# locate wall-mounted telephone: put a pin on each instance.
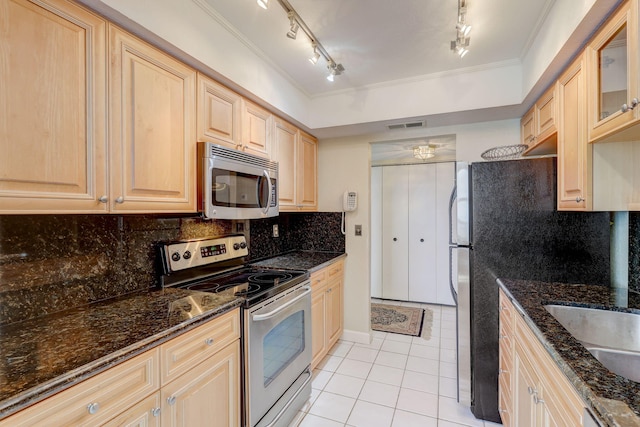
(350, 201)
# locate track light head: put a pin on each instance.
(316, 54)
(293, 26)
(263, 3)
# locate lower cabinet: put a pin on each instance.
(204, 390)
(532, 389)
(326, 309)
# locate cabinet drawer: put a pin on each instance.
(106, 395)
(334, 270)
(189, 349)
(505, 405)
(319, 278)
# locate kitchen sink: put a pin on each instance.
(612, 337)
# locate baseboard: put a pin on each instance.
(356, 336)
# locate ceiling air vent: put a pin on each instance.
(408, 125)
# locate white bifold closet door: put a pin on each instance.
(422, 233)
(395, 229)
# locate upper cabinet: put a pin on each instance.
(538, 126)
(152, 128)
(257, 124)
(218, 113)
(614, 77)
(297, 155)
(574, 153)
(53, 108)
(227, 119)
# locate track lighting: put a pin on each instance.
(316, 54)
(297, 23)
(293, 31)
(461, 44)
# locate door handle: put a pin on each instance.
(273, 313)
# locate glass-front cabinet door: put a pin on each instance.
(613, 75)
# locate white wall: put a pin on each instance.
(344, 163)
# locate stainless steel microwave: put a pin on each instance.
(235, 185)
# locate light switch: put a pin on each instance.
(276, 233)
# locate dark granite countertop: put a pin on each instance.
(43, 356)
(301, 260)
(614, 399)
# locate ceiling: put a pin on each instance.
(381, 41)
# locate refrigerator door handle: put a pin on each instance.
(452, 200)
(454, 294)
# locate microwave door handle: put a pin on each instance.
(273, 313)
(266, 208)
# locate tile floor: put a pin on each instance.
(396, 381)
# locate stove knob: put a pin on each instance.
(186, 255)
(175, 256)
(236, 246)
(243, 245)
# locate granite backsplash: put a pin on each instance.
(49, 263)
(634, 251)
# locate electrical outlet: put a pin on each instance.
(358, 230)
(276, 233)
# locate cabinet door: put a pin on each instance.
(334, 312)
(422, 232)
(525, 387)
(546, 113)
(152, 121)
(256, 129)
(318, 334)
(613, 74)
(144, 414)
(395, 229)
(285, 141)
(307, 174)
(528, 128)
(574, 153)
(53, 108)
(207, 395)
(218, 113)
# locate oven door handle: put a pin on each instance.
(273, 313)
(266, 208)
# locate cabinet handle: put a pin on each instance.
(502, 371)
(171, 400)
(103, 199)
(502, 336)
(537, 400)
(502, 308)
(155, 412)
(120, 200)
(93, 407)
(209, 341)
(531, 391)
(625, 107)
(579, 199)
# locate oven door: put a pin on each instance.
(277, 352)
(238, 191)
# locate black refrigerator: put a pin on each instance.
(504, 223)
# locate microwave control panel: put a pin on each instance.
(196, 253)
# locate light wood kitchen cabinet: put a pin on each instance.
(297, 155)
(537, 393)
(327, 312)
(146, 413)
(207, 395)
(53, 105)
(219, 111)
(574, 152)
(614, 77)
(98, 399)
(538, 126)
(152, 128)
(257, 124)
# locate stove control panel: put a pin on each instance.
(195, 253)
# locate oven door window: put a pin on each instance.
(239, 190)
(282, 345)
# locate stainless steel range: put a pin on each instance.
(276, 321)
